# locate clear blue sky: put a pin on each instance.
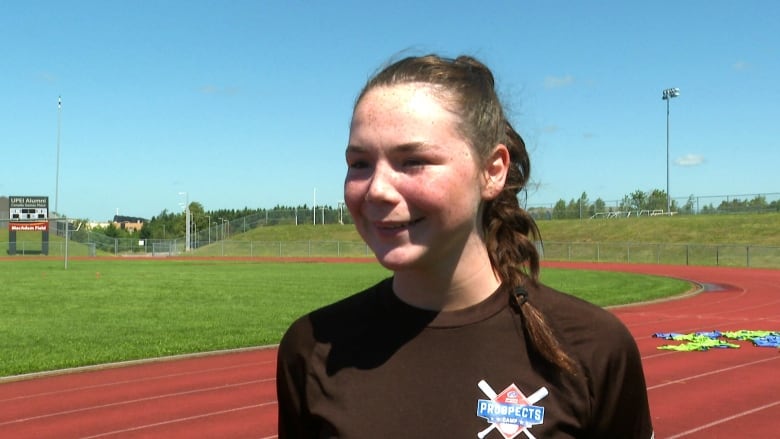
(247, 103)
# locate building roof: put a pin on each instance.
(129, 219)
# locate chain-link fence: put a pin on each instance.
(216, 227)
(756, 256)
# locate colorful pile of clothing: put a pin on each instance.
(705, 340)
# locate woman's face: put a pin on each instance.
(413, 185)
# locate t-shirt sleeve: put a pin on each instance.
(620, 404)
(291, 370)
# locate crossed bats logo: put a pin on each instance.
(510, 412)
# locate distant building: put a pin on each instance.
(102, 224)
(129, 223)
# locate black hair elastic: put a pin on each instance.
(519, 297)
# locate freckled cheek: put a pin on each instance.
(450, 194)
(427, 196)
(354, 194)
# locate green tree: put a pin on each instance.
(599, 206)
(559, 210)
(111, 231)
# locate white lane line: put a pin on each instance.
(136, 380)
(177, 420)
(712, 372)
(133, 401)
(726, 419)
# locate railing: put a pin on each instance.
(222, 248)
(727, 255)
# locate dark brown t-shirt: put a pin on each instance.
(371, 366)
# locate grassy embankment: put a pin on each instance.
(756, 229)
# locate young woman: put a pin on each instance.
(463, 340)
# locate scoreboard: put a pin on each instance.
(28, 208)
(29, 214)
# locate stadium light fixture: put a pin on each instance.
(668, 94)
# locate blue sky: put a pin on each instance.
(247, 103)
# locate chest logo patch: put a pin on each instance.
(510, 412)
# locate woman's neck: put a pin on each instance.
(470, 281)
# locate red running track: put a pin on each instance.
(230, 395)
(719, 393)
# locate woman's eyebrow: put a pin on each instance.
(355, 149)
(400, 148)
(413, 147)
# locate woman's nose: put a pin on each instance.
(382, 188)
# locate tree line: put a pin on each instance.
(650, 201)
(222, 222)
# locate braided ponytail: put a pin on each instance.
(508, 232)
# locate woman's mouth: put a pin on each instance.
(392, 226)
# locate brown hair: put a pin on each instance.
(468, 87)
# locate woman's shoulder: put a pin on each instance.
(337, 316)
(559, 302)
(353, 306)
(577, 320)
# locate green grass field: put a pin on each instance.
(100, 310)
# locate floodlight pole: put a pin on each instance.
(67, 238)
(668, 94)
(57, 181)
(57, 177)
(222, 242)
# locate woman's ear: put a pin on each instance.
(495, 172)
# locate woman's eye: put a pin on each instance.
(357, 164)
(414, 162)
